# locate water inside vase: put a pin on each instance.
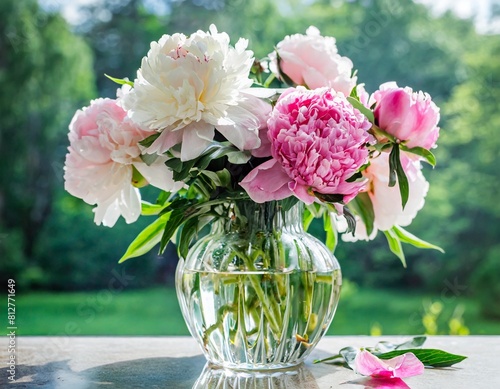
(265, 319)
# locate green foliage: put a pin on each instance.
(87, 258)
(465, 187)
(433, 316)
(386, 350)
(396, 170)
(429, 357)
(486, 284)
(359, 106)
(13, 260)
(116, 313)
(147, 239)
(45, 73)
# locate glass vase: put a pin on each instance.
(258, 292)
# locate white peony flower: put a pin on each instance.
(103, 153)
(188, 86)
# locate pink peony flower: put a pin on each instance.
(189, 86)
(387, 200)
(409, 116)
(312, 60)
(406, 365)
(317, 142)
(100, 164)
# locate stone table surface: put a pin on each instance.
(177, 362)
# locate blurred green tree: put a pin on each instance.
(386, 39)
(469, 178)
(45, 73)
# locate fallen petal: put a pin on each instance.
(406, 365)
(379, 383)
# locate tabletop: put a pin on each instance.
(177, 363)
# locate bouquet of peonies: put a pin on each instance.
(207, 123)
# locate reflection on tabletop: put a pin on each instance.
(218, 378)
(297, 378)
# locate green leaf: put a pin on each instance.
(269, 80)
(354, 93)
(329, 198)
(147, 239)
(351, 220)
(179, 210)
(177, 203)
(149, 159)
(384, 346)
(331, 233)
(215, 150)
(395, 245)
(362, 205)
(428, 356)
(356, 176)
(163, 197)
(380, 134)
(190, 228)
(380, 147)
(316, 209)
(396, 169)
(288, 203)
(334, 359)
(224, 178)
(185, 169)
(120, 81)
(406, 237)
(187, 233)
(148, 209)
(284, 77)
(174, 222)
(238, 157)
(361, 108)
(212, 177)
(393, 161)
(175, 164)
(146, 142)
(424, 153)
(307, 218)
(415, 342)
(203, 186)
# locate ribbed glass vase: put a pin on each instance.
(258, 292)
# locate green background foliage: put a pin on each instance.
(49, 69)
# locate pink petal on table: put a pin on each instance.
(406, 365)
(379, 383)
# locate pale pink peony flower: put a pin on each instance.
(313, 60)
(386, 200)
(411, 117)
(364, 96)
(188, 86)
(262, 108)
(99, 166)
(317, 142)
(406, 365)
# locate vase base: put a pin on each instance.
(218, 377)
(256, 368)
